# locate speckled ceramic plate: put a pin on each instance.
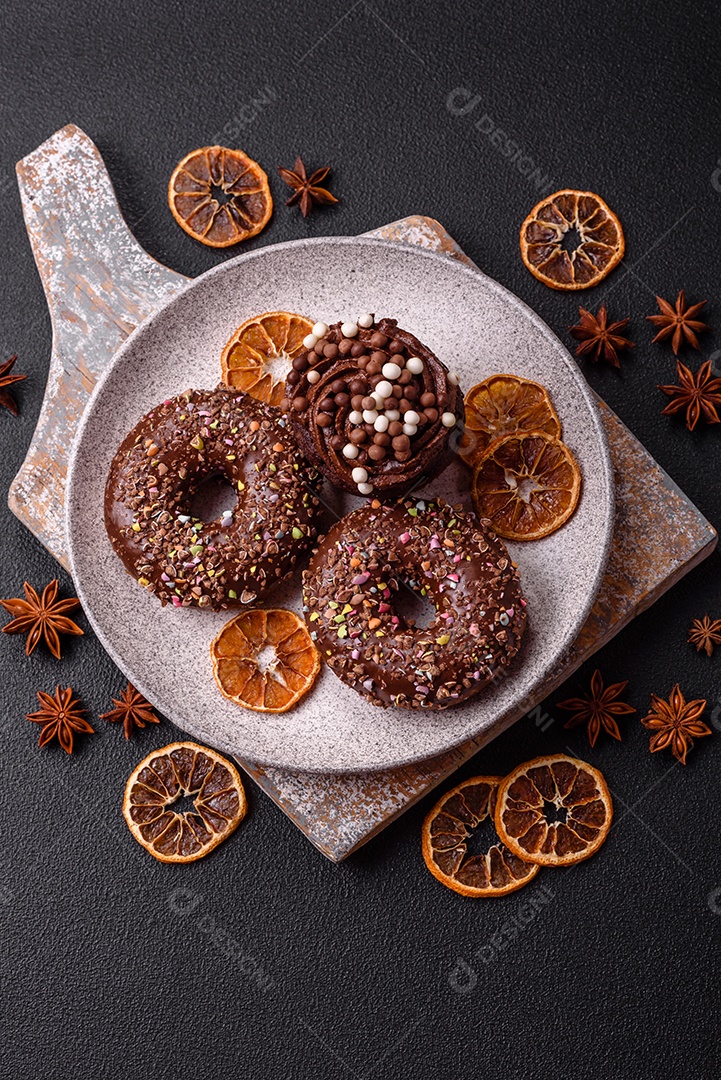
(478, 328)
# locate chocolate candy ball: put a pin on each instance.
(338, 386)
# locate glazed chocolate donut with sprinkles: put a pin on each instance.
(156, 473)
(372, 407)
(443, 553)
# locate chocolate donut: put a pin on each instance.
(158, 470)
(372, 407)
(440, 551)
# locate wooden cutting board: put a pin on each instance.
(100, 284)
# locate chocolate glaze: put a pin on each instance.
(447, 555)
(432, 448)
(156, 473)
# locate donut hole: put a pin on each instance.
(415, 610)
(213, 495)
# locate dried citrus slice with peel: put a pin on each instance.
(164, 777)
(259, 354)
(445, 833)
(503, 405)
(265, 659)
(220, 196)
(554, 810)
(571, 240)
(527, 484)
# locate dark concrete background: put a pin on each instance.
(265, 960)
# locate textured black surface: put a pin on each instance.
(265, 960)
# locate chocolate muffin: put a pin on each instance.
(372, 407)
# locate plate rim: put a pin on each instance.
(539, 324)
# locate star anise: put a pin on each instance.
(61, 718)
(678, 323)
(598, 339)
(306, 189)
(698, 393)
(676, 723)
(132, 709)
(704, 634)
(6, 379)
(41, 617)
(598, 708)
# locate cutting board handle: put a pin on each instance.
(99, 284)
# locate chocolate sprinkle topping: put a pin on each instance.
(347, 426)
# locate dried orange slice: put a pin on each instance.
(527, 484)
(259, 354)
(265, 659)
(164, 777)
(446, 830)
(571, 240)
(503, 405)
(220, 196)
(554, 810)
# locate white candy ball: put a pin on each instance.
(350, 451)
(381, 423)
(370, 416)
(320, 329)
(359, 475)
(411, 417)
(414, 365)
(365, 321)
(453, 378)
(391, 371)
(384, 389)
(349, 329)
(310, 340)
(365, 489)
(379, 399)
(448, 420)
(313, 377)
(393, 414)
(409, 429)
(356, 417)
